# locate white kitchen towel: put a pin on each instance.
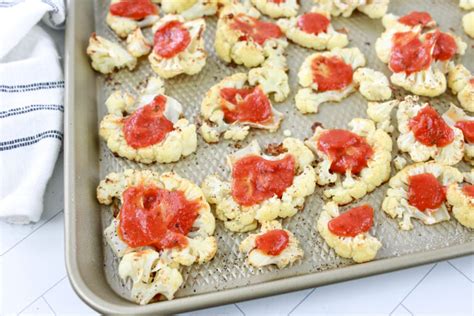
(31, 106)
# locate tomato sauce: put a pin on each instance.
(445, 47)
(430, 129)
(246, 105)
(355, 221)
(425, 192)
(147, 126)
(468, 189)
(467, 128)
(278, 1)
(409, 54)
(133, 9)
(151, 216)
(255, 179)
(273, 242)
(346, 150)
(313, 23)
(171, 39)
(416, 18)
(258, 31)
(331, 73)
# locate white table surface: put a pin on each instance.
(33, 280)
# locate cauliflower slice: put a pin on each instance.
(149, 276)
(380, 113)
(107, 56)
(466, 4)
(452, 116)
(190, 9)
(373, 85)
(229, 43)
(462, 205)
(450, 154)
(375, 9)
(273, 9)
(361, 248)
(399, 162)
(137, 44)
(180, 142)
(308, 99)
(468, 24)
(396, 203)
(240, 218)
(258, 258)
(191, 60)
(123, 26)
(348, 187)
(461, 82)
(325, 40)
(201, 245)
(213, 116)
(430, 82)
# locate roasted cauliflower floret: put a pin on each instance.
(468, 24)
(380, 113)
(179, 141)
(149, 276)
(456, 115)
(238, 38)
(308, 98)
(260, 258)
(275, 9)
(213, 105)
(190, 9)
(466, 4)
(375, 9)
(200, 245)
(188, 56)
(107, 56)
(242, 218)
(396, 202)
(123, 26)
(399, 163)
(430, 82)
(137, 44)
(462, 202)
(461, 82)
(347, 187)
(361, 248)
(324, 40)
(409, 110)
(373, 85)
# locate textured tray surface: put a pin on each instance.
(228, 269)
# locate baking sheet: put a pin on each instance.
(228, 269)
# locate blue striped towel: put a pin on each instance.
(31, 106)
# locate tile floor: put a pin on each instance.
(33, 280)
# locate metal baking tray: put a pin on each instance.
(90, 263)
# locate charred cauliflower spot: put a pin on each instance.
(344, 187)
(461, 82)
(123, 26)
(320, 84)
(241, 218)
(258, 257)
(326, 38)
(185, 56)
(275, 9)
(456, 117)
(107, 56)
(375, 9)
(373, 85)
(410, 116)
(120, 127)
(190, 9)
(397, 202)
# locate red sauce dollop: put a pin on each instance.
(151, 216)
(353, 222)
(313, 23)
(246, 105)
(255, 179)
(409, 54)
(272, 242)
(133, 9)
(147, 125)
(445, 47)
(425, 192)
(278, 1)
(171, 39)
(416, 18)
(258, 31)
(430, 129)
(468, 189)
(467, 128)
(346, 150)
(331, 73)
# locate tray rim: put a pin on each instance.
(209, 299)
